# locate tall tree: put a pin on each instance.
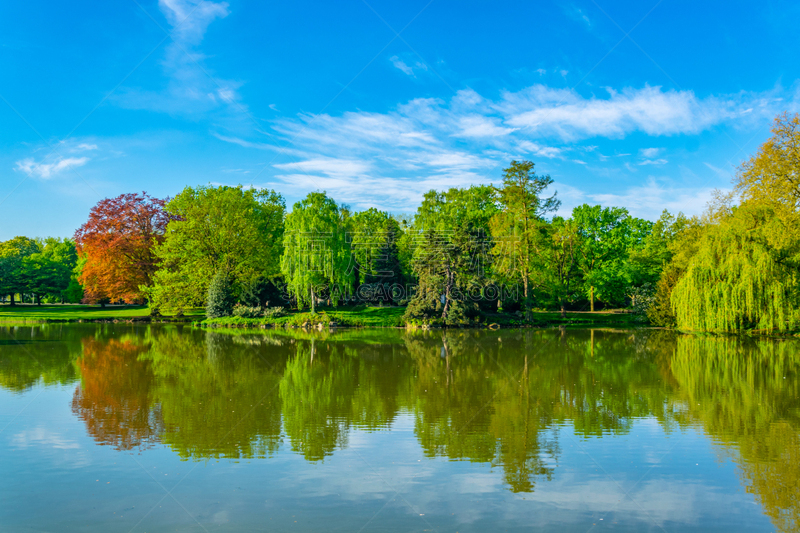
(518, 227)
(316, 251)
(741, 267)
(451, 269)
(217, 229)
(119, 241)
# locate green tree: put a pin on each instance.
(561, 276)
(518, 228)
(218, 229)
(608, 234)
(48, 273)
(451, 268)
(12, 256)
(373, 237)
(738, 278)
(316, 252)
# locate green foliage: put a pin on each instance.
(317, 256)
(373, 238)
(739, 278)
(451, 270)
(518, 228)
(231, 229)
(220, 298)
(608, 234)
(274, 312)
(560, 275)
(246, 311)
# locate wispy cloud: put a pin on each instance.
(407, 69)
(190, 87)
(390, 159)
(46, 170)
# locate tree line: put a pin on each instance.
(466, 252)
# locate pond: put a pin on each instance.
(129, 428)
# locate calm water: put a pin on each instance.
(122, 428)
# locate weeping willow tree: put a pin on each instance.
(743, 275)
(316, 257)
(742, 268)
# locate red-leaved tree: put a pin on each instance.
(118, 245)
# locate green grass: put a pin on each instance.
(69, 313)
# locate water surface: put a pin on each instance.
(169, 428)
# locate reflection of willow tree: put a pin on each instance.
(746, 393)
(317, 391)
(115, 396)
(218, 397)
(32, 353)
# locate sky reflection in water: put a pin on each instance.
(164, 428)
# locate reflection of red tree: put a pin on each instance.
(113, 398)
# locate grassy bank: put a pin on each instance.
(72, 313)
(356, 316)
(377, 317)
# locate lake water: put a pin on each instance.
(168, 428)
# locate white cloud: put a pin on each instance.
(650, 152)
(648, 200)
(84, 147)
(372, 158)
(401, 65)
(190, 87)
(47, 170)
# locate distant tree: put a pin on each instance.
(518, 228)
(13, 254)
(217, 229)
(119, 241)
(48, 273)
(607, 236)
(316, 254)
(561, 276)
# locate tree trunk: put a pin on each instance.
(526, 303)
(591, 299)
(12, 299)
(313, 303)
(38, 298)
(563, 310)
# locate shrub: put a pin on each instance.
(220, 297)
(273, 312)
(246, 311)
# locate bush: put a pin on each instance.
(246, 311)
(220, 297)
(642, 299)
(273, 312)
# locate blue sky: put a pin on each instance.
(645, 105)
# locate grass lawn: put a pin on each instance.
(59, 313)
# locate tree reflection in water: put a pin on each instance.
(494, 397)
